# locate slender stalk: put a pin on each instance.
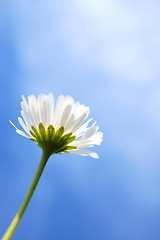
(18, 216)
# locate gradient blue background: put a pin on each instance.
(106, 54)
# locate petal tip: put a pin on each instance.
(95, 155)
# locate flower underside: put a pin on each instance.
(52, 141)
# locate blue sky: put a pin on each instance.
(105, 54)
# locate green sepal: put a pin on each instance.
(50, 132)
(66, 136)
(70, 139)
(52, 141)
(35, 134)
(42, 132)
(66, 141)
(33, 139)
(70, 147)
(66, 148)
(58, 134)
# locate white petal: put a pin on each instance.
(69, 123)
(27, 119)
(91, 131)
(20, 120)
(85, 145)
(13, 124)
(66, 111)
(24, 101)
(33, 109)
(80, 120)
(85, 153)
(58, 110)
(47, 111)
(82, 129)
(42, 108)
(25, 112)
(19, 131)
(22, 133)
(97, 138)
(65, 115)
(51, 106)
(78, 114)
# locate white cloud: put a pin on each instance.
(118, 38)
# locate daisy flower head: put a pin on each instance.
(58, 127)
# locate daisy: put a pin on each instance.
(59, 127)
(56, 128)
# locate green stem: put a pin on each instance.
(18, 216)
